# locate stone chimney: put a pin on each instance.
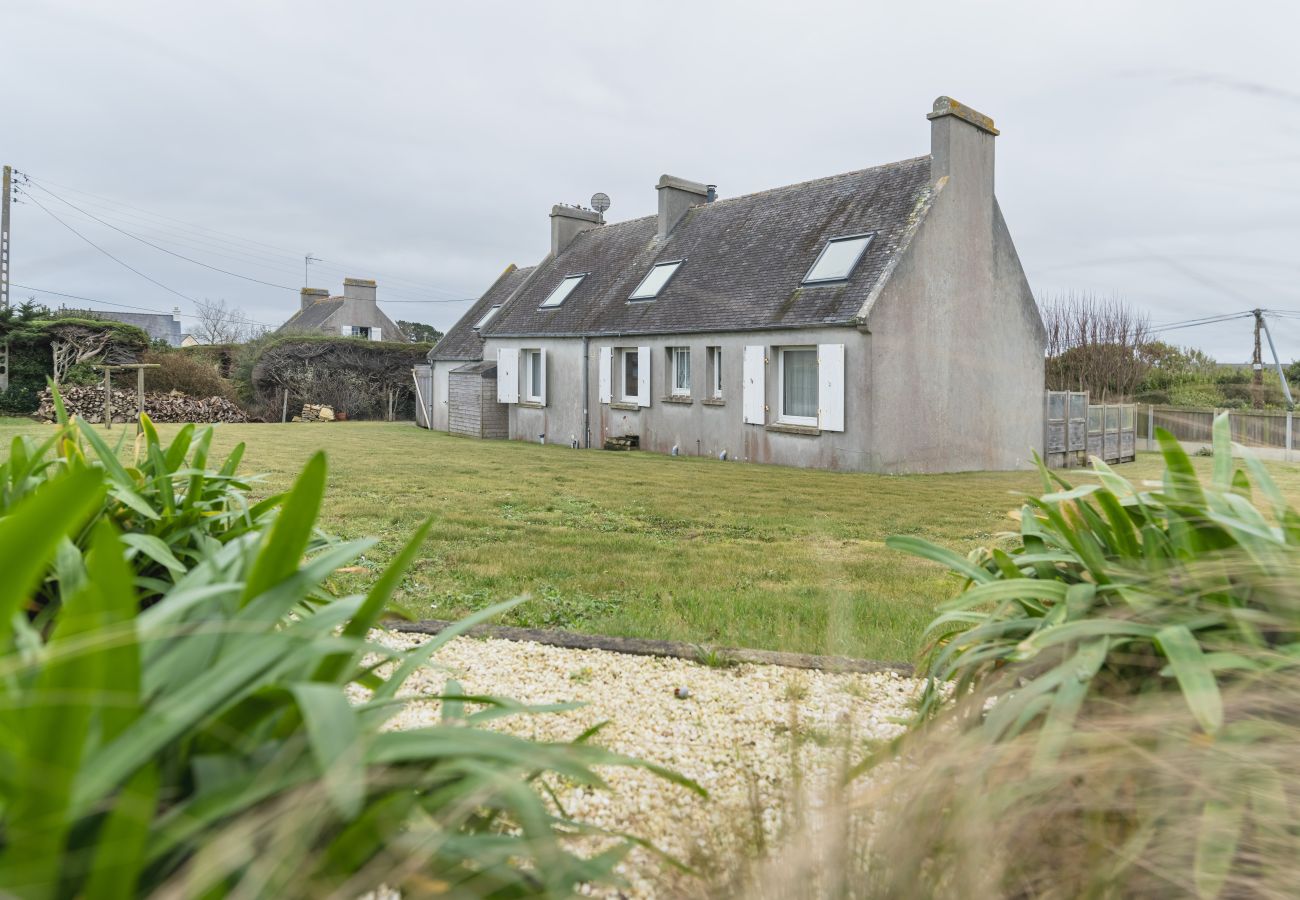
(676, 197)
(308, 296)
(567, 222)
(961, 145)
(359, 289)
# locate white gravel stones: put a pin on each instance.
(756, 737)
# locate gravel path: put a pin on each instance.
(753, 736)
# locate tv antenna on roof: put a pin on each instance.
(600, 203)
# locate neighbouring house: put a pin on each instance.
(355, 314)
(877, 320)
(159, 326)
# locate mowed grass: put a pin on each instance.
(644, 545)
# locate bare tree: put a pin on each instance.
(1095, 344)
(219, 323)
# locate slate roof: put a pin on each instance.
(462, 341)
(313, 316)
(745, 259)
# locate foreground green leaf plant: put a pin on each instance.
(228, 738)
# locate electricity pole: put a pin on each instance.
(4, 270)
(1257, 386)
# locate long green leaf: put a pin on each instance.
(1194, 675)
(292, 530)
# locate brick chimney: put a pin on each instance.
(676, 197)
(567, 222)
(961, 144)
(359, 289)
(308, 296)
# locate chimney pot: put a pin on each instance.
(711, 193)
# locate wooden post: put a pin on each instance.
(1288, 436)
(284, 412)
(108, 397)
(139, 400)
(1151, 426)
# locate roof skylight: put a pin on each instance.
(837, 259)
(487, 317)
(658, 276)
(563, 290)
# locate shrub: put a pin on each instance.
(229, 739)
(169, 508)
(1130, 667)
(185, 372)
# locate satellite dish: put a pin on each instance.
(600, 202)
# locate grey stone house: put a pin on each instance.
(355, 314)
(877, 320)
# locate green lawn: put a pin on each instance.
(646, 545)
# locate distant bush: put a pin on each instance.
(186, 372)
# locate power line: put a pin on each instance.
(157, 247)
(325, 264)
(106, 253)
(27, 287)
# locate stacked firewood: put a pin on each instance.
(315, 412)
(88, 403)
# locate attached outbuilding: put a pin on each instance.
(877, 320)
(474, 410)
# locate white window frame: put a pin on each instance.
(679, 390)
(714, 355)
(782, 416)
(869, 236)
(640, 294)
(487, 317)
(574, 280)
(624, 354)
(533, 387)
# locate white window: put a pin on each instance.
(679, 364)
(534, 377)
(632, 375)
(376, 334)
(715, 372)
(797, 385)
(563, 290)
(837, 259)
(487, 317)
(629, 383)
(658, 276)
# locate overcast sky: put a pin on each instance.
(1149, 150)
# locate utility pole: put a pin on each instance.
(1257, 385)
(4, 270)
(306, 262)
(1281, 375)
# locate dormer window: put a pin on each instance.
(487, 317)
(837, 259)
(563, 290)
(655, 280)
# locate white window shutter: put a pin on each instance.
(376, 334)
(754, 385)
(508, 375)
(642, 376)
(346, 331)
(830, 387)
(541, 381)
(603, 375)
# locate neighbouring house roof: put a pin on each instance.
(745, 260)
(314, 316)
(463, 340)
(159, 326)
